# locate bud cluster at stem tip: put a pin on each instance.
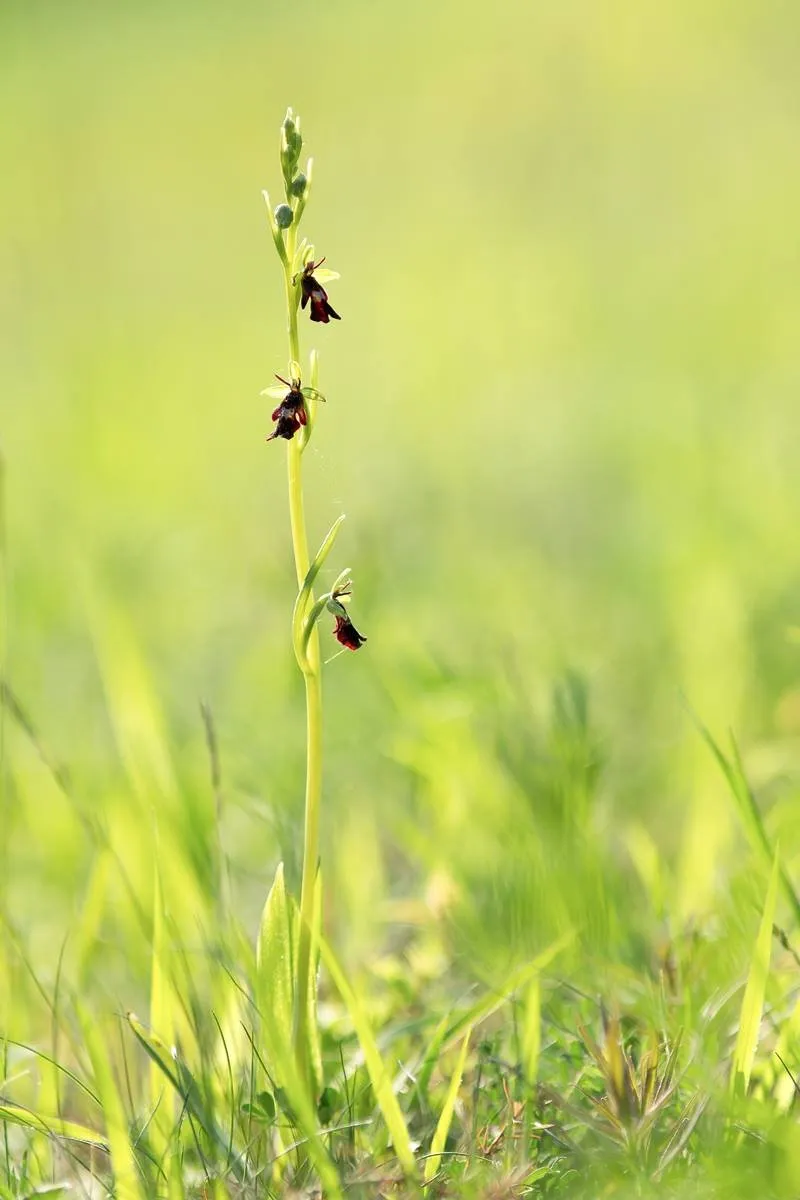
(295, 182)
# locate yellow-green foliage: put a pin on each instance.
(561, 412)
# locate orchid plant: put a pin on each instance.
(294, 421)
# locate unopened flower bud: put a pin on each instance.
(291, 145)
(283, 216)
(290, 149)
(299, 184)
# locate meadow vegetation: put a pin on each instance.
(556, 924)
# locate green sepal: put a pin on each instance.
(277, 236)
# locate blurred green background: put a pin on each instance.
(562, 421)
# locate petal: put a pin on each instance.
(299, 259)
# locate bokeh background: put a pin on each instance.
(562, 421)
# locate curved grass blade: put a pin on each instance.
(446, 1115)
(185, 1085)
(753, 1000)
(79, 1083)
(749, 812)
(15, 1114)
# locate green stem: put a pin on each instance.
(303, 1002)
(313, 686)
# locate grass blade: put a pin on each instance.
(162, 1103)
(749, 812)
(123, 1162)
(15, 1114)
(532, 1029)
(753, 1000)
(446, 1115)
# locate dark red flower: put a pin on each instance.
(290, 413)
(314, 292)
(293, 401)
(346, 633)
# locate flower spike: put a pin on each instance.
(295, 412)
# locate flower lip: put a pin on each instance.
(346, 633)
(287, 424)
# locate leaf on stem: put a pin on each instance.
(275, 973)
(301, 634)
(277, 237)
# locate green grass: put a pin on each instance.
(561, 418)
